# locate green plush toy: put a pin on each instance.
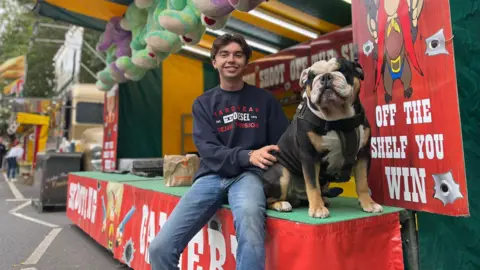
(181, 17)
(159, 38)
(135, 20)
(160, 42)
(131, 71)
(194, 37)
(105, 80)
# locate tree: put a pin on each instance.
(16, 35)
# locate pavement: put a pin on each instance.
(30, 240)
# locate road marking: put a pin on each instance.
(21, 206)
(13, 188)
(25, 204)
(34, 220)
(18, 200)
(42, 247)
(29, 268)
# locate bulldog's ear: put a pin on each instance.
(304, 77)
(358, 71)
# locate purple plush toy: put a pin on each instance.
(115, 35)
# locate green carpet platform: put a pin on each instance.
(124, 212)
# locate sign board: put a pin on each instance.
(110, 132)
(280, 72)
(125, 218)
(411, 101)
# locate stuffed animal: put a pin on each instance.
(215, 13)
(181, 17)
(105, 79)
(214, 8)
(159, 38)
(143, 3)
(246, 5)
(115, 35)
(135, 20)
(194, 37)
(160, 42)
(215, 23)
(116, 42)
(131, 71)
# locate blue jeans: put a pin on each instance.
(12, 167)
(247, 202)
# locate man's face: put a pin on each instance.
(230, 61)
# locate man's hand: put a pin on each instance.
(262, 157)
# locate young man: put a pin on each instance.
(235, 129)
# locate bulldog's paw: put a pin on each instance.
(369, 206)
(281, 206)
(318, 212)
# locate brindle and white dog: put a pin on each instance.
(327, 140)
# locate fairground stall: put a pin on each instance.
(423, 151)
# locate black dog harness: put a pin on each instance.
(347, 132)
(349, 136)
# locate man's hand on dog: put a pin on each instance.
(263, 158)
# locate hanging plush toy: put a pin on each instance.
(159, 38)
(116, 42)
(151, 56)
(105, 80)
(180, 17)
(215, 13)
(143, 3)
(246, 5)
(194, 37)
(135, 20)
(115, 35)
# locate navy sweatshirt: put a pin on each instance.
(227, 125)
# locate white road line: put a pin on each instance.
(42, 247)
(34, 220)
(18, 200)
(29, 268)
(21, 206)
(13, 188)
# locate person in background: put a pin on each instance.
(236, 127)
(14, 155)
(3, 151)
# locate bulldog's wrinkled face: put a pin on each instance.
(332, 86)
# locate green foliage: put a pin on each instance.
(17, 31)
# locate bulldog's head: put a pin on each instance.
(331, 87)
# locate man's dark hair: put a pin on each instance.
(226, 39)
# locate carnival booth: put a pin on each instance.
(409, 94)
(34, 130)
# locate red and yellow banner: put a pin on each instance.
(411, 100)
(280, 72)
(110, 131)
(125, 219)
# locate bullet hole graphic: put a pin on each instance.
(436, 44)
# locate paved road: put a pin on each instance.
(44, 241)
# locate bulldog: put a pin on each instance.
(327, 140)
